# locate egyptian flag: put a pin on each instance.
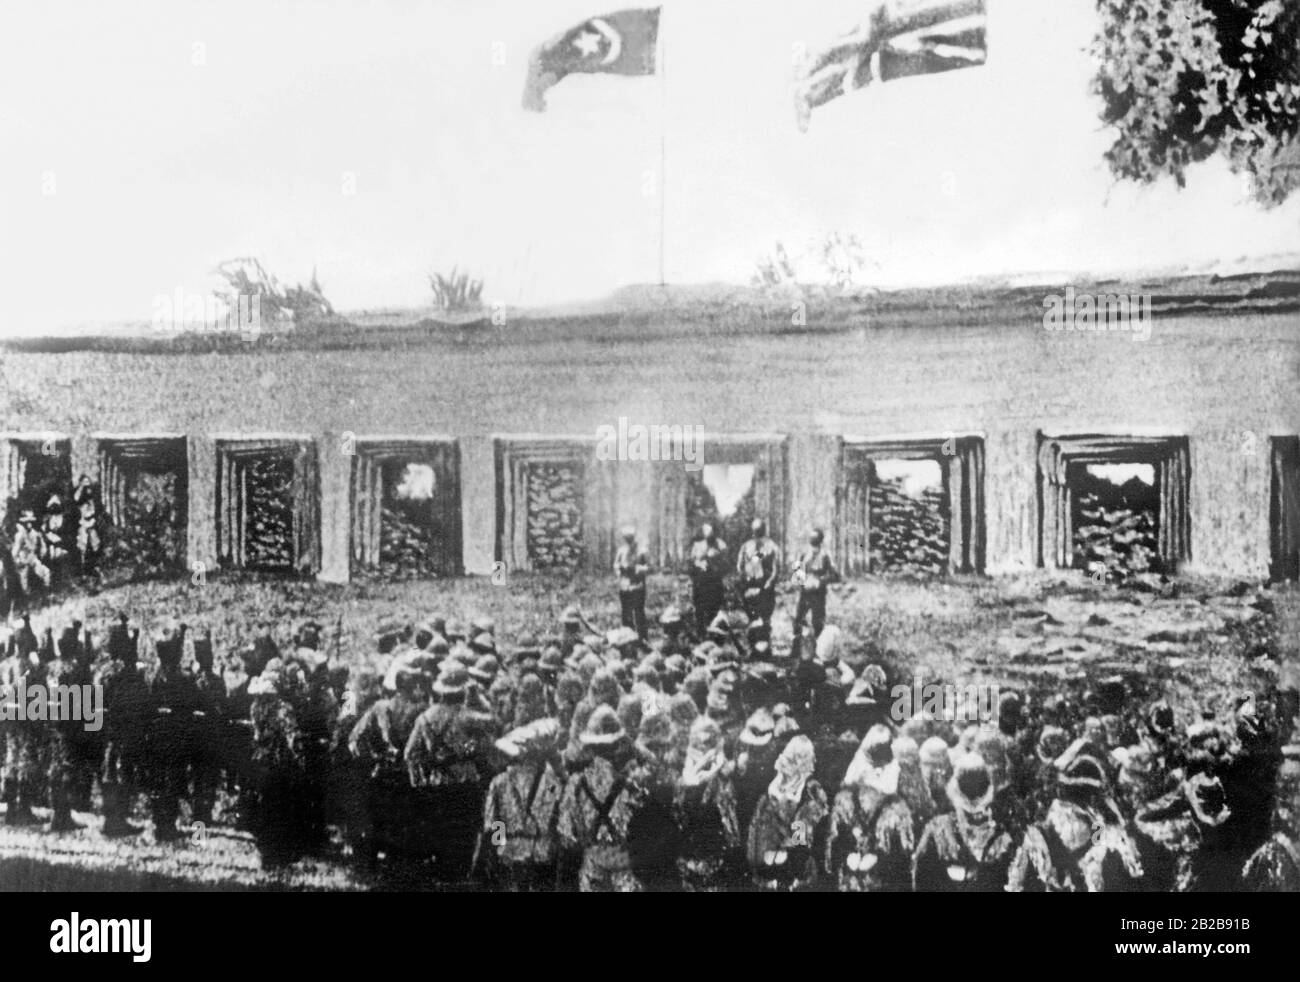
(901, 38)
(622, 43)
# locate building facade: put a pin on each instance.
(287, 459)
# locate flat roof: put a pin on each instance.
(646, 312)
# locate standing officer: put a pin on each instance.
(708, 560)
(631, 564)
(758, 565)
(813, 570)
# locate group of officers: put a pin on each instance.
(611, 762)
(45, 550)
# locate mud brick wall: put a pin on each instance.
(1226, 381)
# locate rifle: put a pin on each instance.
(591, 629)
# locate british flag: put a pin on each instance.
(900, 38)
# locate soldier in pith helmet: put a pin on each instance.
(598, 805)
(211, 752)
(22, 743)
(173, 733)
(59, 735)
(447, 758)
(758, 566)
(869, 848)
(522, 808)
(813, 573)
(631, 566)
(787, 834)
(128, 713)
(967, 849)
(1082, 845)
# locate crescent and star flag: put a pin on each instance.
(621, 43)
(900, 38)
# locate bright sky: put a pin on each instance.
(1123, 473)
(729, 483)
(146, 141)
(916, 475)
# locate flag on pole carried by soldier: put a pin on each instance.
(900, 38)
(621, 43)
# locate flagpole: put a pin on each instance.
(663, 147)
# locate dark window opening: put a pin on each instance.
(909, 518)
(406, 510)
(139, 505)
(1114, 506)
(268, 506)
(912, 507)
(39, 478)
(1116, 519)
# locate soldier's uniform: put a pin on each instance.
(757, 565)
(522, 809)
(28, 553)
(446, 760)
(966, 850)
(869, 848)
(677, 640)
(318, 712)
(86, 747)
(1205, 859)
(813, 570)
(707, 815)
(89, 542)
(377, 743)
(174, 698)
(1273, 868)
(631, 563)
(57, 737)
(756, 753)
(786, 834)
(58, 539)
(276, 785)
(211, 725)
(126, 723)
(707, 566)
(598, 806)
(1077, 847)
(21, 747)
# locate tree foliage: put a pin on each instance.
(1182, 80)
(303, 305)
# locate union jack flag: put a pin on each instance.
(900, 38)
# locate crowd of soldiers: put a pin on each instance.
(691, 757)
